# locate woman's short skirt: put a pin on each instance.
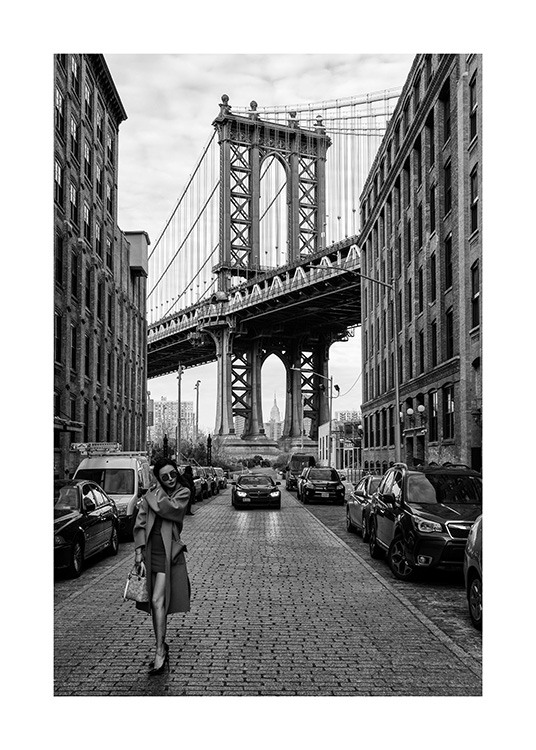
(158, 554)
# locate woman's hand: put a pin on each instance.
(141, 570)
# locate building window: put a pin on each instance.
(110, 309)
(73, 202)
(400, 365)
(428, 69)
(97, 425)
(410, 358)
(421, 351)
(420, 289)
(448, 262)
(432, 208)
(98, 238)
(444, 98)
(87, 350)
(74, 275)
(378, 428)
(433, 286)
(419, 226)
(433, 347)
(99, 363)
(75, 145)
(417, 93)
(100, 125)
(86, 422)
(88, 101)
(58, 259)
(109, 198)
(431, 140)
(110, 147)
(57, 337)
(87, 160)
(384, 427)
(448, 412)
(98, 180)
(74, 343)
(447, 187)
(75, 76)
(399, 322)
(418, 160)
(473, 108)
(409, 239)
(109, 369)
(58, 183)
(407, 183)
(474, 199)
(410, 301)
(405, 118)
(87, 222)
(109, 253)
(449, 333)
(475, 294)
(396, 138)
(62, 59)
(59, 112)
(99, 300)
(88, 288)
(432, 416)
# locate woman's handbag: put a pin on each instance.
(136, 588)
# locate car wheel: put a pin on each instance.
(364, 529)
(349, 525)
(113, 547)
(398, 563)
(77, 558)
(474, 599)
(374, 549)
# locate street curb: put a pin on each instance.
(469, 661)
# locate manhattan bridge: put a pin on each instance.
(260, 256)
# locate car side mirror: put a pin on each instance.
(233, 482)
(89, 505)
(278, 482)
(388, 498)
(343, 477)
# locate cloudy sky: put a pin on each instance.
(171, 101)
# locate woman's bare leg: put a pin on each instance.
(159, 617)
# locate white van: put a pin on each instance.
(124, 476)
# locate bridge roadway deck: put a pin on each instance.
(281, 606)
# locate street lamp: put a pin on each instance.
(391, 287)
(196, 388)
(179, 378)
(331, 386)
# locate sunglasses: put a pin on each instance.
(172, 474)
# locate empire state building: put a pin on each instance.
(274, 427)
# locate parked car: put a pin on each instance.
(212, 477)
(422, 517)
(85, 523)
(200, 473)
(222, 479)
(252, 490)
(358, 505)
(298, 462)
(124, 476)
(320, 483)
(472, 571)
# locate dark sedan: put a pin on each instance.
(359, 503)
(85, 523)
(255, 490)
(320, 483)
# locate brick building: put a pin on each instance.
(421, 222)
(100, 338)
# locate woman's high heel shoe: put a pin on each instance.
(166, 646)
(154, 671)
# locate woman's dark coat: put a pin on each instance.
(172, 509)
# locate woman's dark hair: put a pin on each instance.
(188, 470)
(159, 465)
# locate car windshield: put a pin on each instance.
(444, 488)
(67, 499)
(113, 481)
(328, 475)
(298, 462)
(374, 483)
(255, 481)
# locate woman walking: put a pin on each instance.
(159, 552)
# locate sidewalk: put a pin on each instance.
(280, 606)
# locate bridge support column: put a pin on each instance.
(224, 407)
(254, 422)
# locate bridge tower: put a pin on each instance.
(246, 143)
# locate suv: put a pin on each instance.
(320, 482)
(421, 517)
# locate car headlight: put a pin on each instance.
(275, 493)
(59, 540)
(427, 527)
(121, 510)
(241, 493)
(309, 485)
(340, 487)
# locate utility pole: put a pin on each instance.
(179, 378)
(196, 387)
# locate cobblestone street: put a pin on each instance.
(281, 606)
